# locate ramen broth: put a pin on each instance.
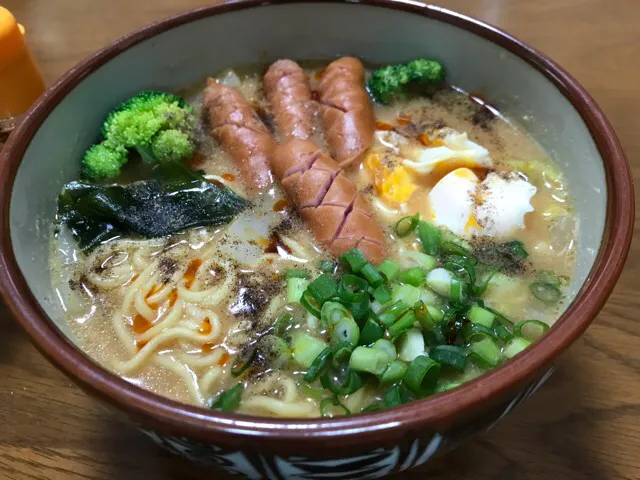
(173, 315)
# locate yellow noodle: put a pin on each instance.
(187, 376)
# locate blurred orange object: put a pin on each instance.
(20, 80)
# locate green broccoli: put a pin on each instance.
(160, 126)
(393, 80)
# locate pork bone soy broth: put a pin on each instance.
(479, 233)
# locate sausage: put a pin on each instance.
(337, 214)
(287, 89)
(243, 136)
(347, 113)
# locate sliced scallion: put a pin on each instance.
(458, 292)
(229, 400)
(422, 375)
(549, 277)
(424, 317)
(328, 402)
(403, 324)
(410, 345)
(481, 316)
(352, 288)
(318, 365)
(369, 360)
(332, 313)
(487, 350)
(515, 346)
(295, 273)
(389, 269)
(531, 330)
(449, 355)
(545, 292)
(407, 225)
(341, 381)
(345, 331)
(371, 274)
(306, 348)
(413, 276)
(323, 288)
(371, 331)
(382, 294)
(353, 260)
(387, 347)
(430, 237)
(390, 314)
(439, 280)
(394, 373)
(405, 293)
(327, 266)
(295, 288)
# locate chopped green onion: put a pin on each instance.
(414, 276)
(452, 248)
(312, 392)
(353, 260)
(345, 331)
(549, 277)
(341, 381)
(436, 313)
(449, 355)
(326, 403)
(394, 373)
(229, 400)
(541, 329)
(479, 289)
(422, 375)
(434, 337)
(392, 397)
(318, 365)
(327, 266)
(361, 309)
(382, 294)
(387, 347)
(295, 273)
(410, 345)
(389, 269)
(445, 387)
(500, 317)
(310, 304)
(332, 313)
(295, 288)
(341, 354)
(392, 313)
(407, 225)
(411, 258)
(458, 292)
(481, 316)
(439, 280)
(352, 288)
(502, 332)
(472, 332)
(487, 350)
(405, 293)
(371, 331)
(403, 324)
(243, 362)
(430, 237)
(370, 360)
(371, 274)
(546, 292)
(282, 324)
(426, 321)
(306, 348)
(462, 267)
(323, 288)
(515, 346)
(429, 297)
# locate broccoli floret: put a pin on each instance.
(156, 122)
(171, 144)
(104, 160)
(392, 81)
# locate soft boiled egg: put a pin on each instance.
(496, 206)
(392, 181)
(447, 150)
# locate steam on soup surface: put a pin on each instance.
(249, 309)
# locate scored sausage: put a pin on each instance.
(347, 113)
(329, 202)
(287, 89)
(244, 137)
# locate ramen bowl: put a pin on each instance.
(42, 155)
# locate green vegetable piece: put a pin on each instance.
(450, 356)
(327, 266)
(389, 269)
(328, 402)
(488, 351)
(545, 292)
(345, 331)
(306, 348)
(406, 225)
(295, 289)
(323, 288)
(369, 360)
(382, 294)
(372, 275)
(229, 400)
(430, 237)
(415, 276)
(104, 161)
(422, 375)
(393, 81)
(353, 260)
(515, 346)
(531, 330)
(393, 374)
(403, 324)
(371, 331)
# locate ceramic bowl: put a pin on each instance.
(44, 152)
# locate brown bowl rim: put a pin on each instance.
(359, 431)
